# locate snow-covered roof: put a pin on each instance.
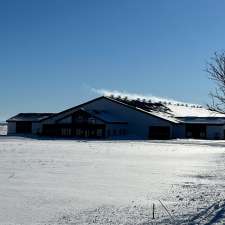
(193, 111)
(176, 113)
(29, 117)
(172, 112)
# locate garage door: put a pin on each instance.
(159, 132)
(23, 127)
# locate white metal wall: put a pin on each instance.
(215, 132)
(36, 128)
(179, 131)
(11, 127)
(138, 122)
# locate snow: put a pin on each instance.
(111, 182)
(192, 111)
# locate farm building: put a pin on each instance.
(115, 117)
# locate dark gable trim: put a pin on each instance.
(70, 109)
(18, 121)
(96, 117)
(112, 100)
(13, 119)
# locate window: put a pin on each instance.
(66, 132)
(92, 120)
(79, 119)
(79, 132)
(159, 132)
(99, 133)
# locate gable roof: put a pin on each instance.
(139, 109)
(178, 113)
(103, 116)
(70, 109)
(29, 117)
(173, 113)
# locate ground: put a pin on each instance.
(59, 182)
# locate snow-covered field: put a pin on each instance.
(54, 182)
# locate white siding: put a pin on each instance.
(138, 122)
(11, 128)
(36, 128)
(179, 131)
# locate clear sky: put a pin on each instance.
(54, 52)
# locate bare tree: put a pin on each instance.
(216, 71)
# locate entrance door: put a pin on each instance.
(197, 131)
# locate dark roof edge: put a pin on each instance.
(10, 119)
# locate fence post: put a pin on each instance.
(153, 211)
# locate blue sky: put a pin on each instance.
(53, 53)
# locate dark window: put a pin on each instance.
(159, 132)
(197, 131)
(66, 132)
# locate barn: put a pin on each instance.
(110, 117)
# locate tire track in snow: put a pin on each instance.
(215, 213)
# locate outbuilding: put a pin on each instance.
(110, 117)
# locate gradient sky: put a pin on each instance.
(54, 52)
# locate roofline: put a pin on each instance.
(139, 109)
(10, 119)
(78, 106)
(96, 117)
(112, 100)
(204, 123)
